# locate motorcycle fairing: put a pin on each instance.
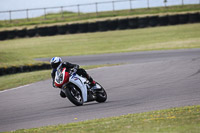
(79, 82)
(61, 77)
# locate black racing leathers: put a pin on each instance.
(69, 66)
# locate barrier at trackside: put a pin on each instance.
(93, 27)
(26, 68)
(112, 24)
(105, 25)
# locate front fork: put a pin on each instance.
(64, 87)
(91, 94)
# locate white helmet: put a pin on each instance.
(55, 62)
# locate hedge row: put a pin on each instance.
(27, 68)
(126, 23)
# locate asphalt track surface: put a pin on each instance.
(148, 81)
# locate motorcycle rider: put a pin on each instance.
(56, 61)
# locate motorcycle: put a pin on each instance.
(77, 89)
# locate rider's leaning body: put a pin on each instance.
(56, 61)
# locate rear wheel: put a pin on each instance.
(74, 95)
(101, 95)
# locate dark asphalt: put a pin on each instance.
(151, 81)
(130, 57)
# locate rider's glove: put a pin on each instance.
(76, 67)
(75, 70)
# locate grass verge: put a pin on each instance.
(15, 80)
(182, 119)
(24, 51)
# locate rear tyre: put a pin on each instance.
(101, 95)
(74, 95)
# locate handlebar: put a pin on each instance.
(73, 71)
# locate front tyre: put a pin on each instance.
(74, 95)
(101, 95)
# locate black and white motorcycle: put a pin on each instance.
(77, 89)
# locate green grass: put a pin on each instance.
(182, 119)
(15, 80)
(53, 18)
(24, 51)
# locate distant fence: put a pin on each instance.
(91, 7)
(105, 25)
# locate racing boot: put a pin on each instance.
(92, 82)
(93, 85)
(62, 94)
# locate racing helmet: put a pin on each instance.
(55, 62)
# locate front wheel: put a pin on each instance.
(74, 95)
(101, 95)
